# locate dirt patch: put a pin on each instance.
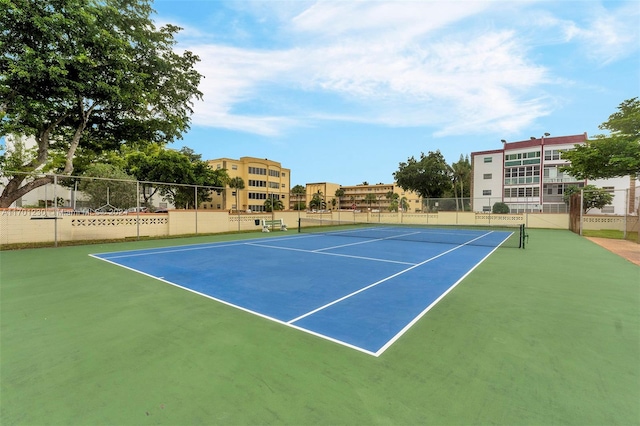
(624, 248)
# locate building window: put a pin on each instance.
(552, 154)
(488, 159)
(487, 176)
(486, 209)
(520, 192)
(234, 167)
(608, 209)
(520, 175)
(486, 192)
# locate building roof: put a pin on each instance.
(557, 140)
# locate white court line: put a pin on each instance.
(224, 302)
(428, 308)
(290, 323)
(366, 242)
(331, 254)
(382, 280)
(189, 247)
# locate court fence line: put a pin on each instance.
(78, 208)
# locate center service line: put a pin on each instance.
(381, 281)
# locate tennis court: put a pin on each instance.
(546, 335)
(384, 278)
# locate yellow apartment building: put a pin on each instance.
(361, 197)
(375, 197)
(263, 179)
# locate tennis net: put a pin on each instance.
(485, 235)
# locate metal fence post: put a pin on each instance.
(195, 205)
(581, 209)
(138, 210)
(55, 210)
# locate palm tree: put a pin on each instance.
(299, 191)
(236, 183)
(339, 194)
(369, 198)
(317, 202)
(393, 200)
(404, 204)
(273, 204)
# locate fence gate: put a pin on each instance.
(574, 213)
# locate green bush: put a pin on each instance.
(500, 208)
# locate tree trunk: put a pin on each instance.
(14, 191)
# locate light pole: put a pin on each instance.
(541, 177)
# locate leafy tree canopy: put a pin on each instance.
(84, 76)
(610, 156)
(112, 191)
(157, 164)
(429, 176)
(299, 190)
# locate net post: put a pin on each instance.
(523, 236)
(299, 225)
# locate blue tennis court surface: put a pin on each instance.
(361, 293)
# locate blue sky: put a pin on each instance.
(343, 91)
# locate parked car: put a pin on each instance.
(138, 210)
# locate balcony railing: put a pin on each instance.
(564, 179)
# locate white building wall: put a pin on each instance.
(526, 176)
(620, 188)
(487, 180)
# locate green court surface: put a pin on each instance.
(544, 336)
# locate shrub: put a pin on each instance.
(500, 208)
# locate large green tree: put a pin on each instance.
(184, 169)
(84, 76)
(592, 197)
(300, 193)
(615, 155)
(429, 176)
(461, 180)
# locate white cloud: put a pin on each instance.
(388, 60)
(403, 20)
(604, 36)
(612, 35)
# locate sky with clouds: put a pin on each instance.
(343, 91)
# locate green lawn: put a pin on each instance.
(546, 335)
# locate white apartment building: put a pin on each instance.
(526, 176)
